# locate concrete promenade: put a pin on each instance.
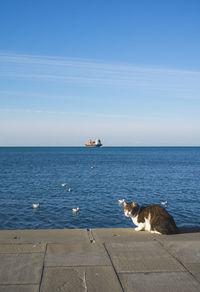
(98, 260)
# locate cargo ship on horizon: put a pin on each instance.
(95, 143)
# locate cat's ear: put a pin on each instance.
(134, 204)
(125, 204)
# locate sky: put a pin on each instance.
(124, 71)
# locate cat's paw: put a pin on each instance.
(137, 229)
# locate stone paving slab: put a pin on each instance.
(120, 235)
(43, 236)
(137, 250)
(20, 268)
(80, 279)
(80, 253)
(106, 260)
(186, 251)
(22, 248)
(141, 257)
(194, 269)
(126, 265)
(157, 282)
(19, 288)
(177, 237)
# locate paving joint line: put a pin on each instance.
(43, 266)
(113, 267)
(19, 284)
(149, 272)
(178, 260)
(77, 266)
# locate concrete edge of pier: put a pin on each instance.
(107, 259)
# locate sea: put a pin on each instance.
(95, 179)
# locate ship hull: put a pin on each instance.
(93, 146)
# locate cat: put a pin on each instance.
(153, 218)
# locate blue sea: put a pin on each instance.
(98, 178)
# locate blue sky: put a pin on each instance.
(127, 72)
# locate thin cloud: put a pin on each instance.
(66, 113)
(85, 64)
(122, 119)
(96, 73)
(5, 93)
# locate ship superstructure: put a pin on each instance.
(95, 143)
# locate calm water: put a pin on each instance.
(146, 175)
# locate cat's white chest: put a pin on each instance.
(147, 223)
(142, 225)
(135, 220)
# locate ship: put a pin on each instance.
(95, 143)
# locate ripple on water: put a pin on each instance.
(146, 175)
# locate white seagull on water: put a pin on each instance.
(121, 201)
(36, 206)
(75, 210)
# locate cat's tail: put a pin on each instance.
(169, 228)
(166, 225)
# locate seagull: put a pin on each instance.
(164, 203)
(63, 185)
(92, 166)
(69, 190)
(75, 210)
(121, 201)
(36, 206)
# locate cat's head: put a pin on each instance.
(130, 209)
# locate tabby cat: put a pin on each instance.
(153, 218)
